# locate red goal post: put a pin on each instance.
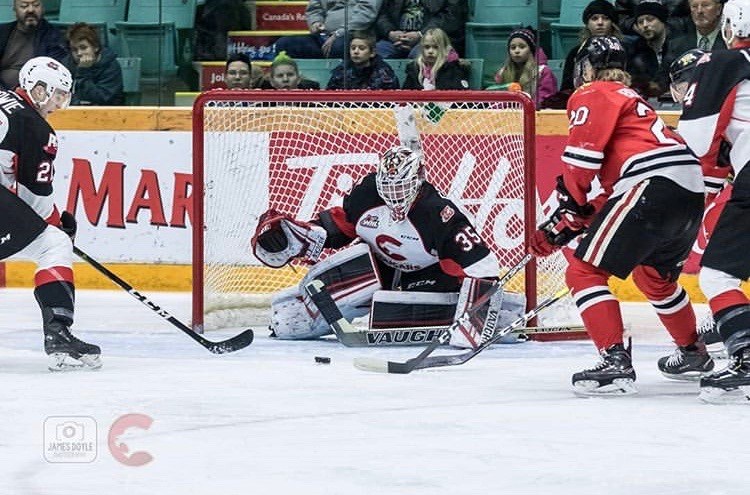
(301, 151)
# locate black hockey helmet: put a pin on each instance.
(599, 52)
(681, 71)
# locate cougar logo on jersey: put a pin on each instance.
(386, 243)
(370, 221)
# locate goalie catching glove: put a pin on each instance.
(567, 222)
(279, 238)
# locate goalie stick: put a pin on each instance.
(351, 336)
(230, 345)
(423, 360)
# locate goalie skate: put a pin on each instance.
(612, 376)
(66, 352)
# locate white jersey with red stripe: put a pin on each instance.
(717, 106)
(616, 136)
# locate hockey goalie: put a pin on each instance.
(406, 254)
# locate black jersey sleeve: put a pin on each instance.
(340, 221)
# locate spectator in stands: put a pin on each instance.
(327, 24)
(702, 30)
(97, 76)
(364, 69)
(30, 35)
(599, 19)
(400, 24)
(284, 74)
(437, 66)
(240, 73)
(212, 21)
(678, 19)
(526, 65)
(648, 53)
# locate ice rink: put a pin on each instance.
(268, 420)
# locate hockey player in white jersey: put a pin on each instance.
(717, 108)
(413, 240)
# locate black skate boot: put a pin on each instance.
(687, 363)
(709, 335)
(730, 385)
(614, 375)
(65, 351)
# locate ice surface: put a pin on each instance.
(268, 420)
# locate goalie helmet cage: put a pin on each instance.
(301, 151)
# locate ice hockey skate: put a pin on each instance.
(730, 385)
(67, 352)
(687, 363)
(612, 376)
(708, 335)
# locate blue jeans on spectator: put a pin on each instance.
(386, 49)
(309, 46)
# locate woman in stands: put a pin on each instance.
(526, 64)
(96, 73)
(437, 66)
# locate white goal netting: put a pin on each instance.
(302, 152)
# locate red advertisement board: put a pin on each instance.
(280, 16)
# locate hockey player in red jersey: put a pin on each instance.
(419, 241)
(30, 223)
(643, 221)
(716, 109)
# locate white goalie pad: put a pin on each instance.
(279, 239)
(501, 309)
(349, 276)
(399, 309)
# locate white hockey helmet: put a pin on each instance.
(399, 177)
(735, 20)
(51, 74)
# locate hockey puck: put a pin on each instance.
(322, 360)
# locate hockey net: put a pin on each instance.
(300, 152)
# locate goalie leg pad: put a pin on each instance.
(291, 319)
(502, 309)
(397, 309)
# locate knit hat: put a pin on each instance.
(652, 7)
(600, 7)
(525, 34)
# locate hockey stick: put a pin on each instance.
(351, 336)
(425, 361)
(230, 345)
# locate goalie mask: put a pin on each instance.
(735, 21)
(681, 72)
(399, 177)
(598, 52)
(50, 74)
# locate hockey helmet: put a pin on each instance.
(681, 72)
(399, 177)
(598, 52)
(735, 20)
(51, 74)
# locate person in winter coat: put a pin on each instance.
(96, 73)
(437, 66)
(524, 67)
(365, 69)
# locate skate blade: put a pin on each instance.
(714, 395)
(618, 387)
(59, 361)
(689, 376)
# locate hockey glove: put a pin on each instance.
(279, 238)
(68, 224)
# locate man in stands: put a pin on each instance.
(643, 221)
(716, 108)
(29, 220)
(414, 240)
(30, 35)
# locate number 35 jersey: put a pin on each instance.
(616, 136)
(28, 147)
(434, 231)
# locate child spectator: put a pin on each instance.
(437, 66)
(526, 65)
(97, 76)
(284, 74)
(240, 73)
(365, 68)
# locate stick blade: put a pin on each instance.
(236, 343)
(373, 365)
